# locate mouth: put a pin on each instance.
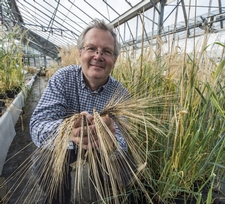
(98, 66)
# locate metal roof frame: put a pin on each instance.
(51, 21)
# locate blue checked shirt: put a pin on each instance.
(67, 93)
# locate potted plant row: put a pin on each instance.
(11, 65)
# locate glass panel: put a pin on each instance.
(61, 22)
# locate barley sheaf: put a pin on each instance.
(111, 169)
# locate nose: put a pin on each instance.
(98, 55)
(99, 52)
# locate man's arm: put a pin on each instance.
(49, 112)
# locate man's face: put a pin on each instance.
(96, 66)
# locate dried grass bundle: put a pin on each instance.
(69, 55)
(111, 170)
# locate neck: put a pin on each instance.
(94, 84)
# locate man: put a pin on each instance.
(80, 89)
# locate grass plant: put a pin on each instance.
(189, 157)
(111, 168)
(11, 75)
(69, 55)
(173, 122)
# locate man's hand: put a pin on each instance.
(110, 123)
(90, 136)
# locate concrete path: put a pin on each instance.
(22, 146)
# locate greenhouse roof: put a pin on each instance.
(52, 24)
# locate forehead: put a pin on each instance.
(99, 37)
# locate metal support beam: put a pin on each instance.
(155, 7)
(161, 16)
(41, 44)
(46, 38)
(37, 42)
(220, 11)
(134, 11)
(96, 10)
(14, 8)
(2, 15)
(160, 23)
(174, 9)
(131, 33)
(185, 16)
(153, 24)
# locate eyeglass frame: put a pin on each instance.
(102, 52)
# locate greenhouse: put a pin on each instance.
(112, 101)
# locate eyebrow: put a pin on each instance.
(88, 45)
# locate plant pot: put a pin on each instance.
(10, 93)
(2, 96)
(2, 100)
(2, 104)
(2, 110)
(17, 89)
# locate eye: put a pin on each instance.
(108, 52)
(91, 49)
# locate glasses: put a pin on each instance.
(104, 52)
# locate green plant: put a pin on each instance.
(174, 128)
(189, 157)
(11, 72)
